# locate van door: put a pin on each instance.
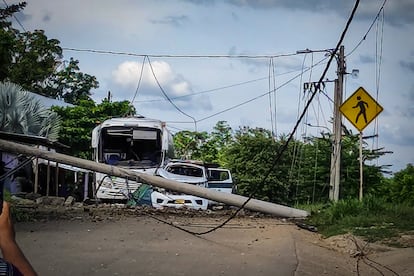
(220, 180)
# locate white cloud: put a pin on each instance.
(128, 73)
(181, 88)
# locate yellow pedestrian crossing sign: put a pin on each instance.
(360, 108)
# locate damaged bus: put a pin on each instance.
(136, 143)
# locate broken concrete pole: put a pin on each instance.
(229, 199)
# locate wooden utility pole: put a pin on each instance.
(335, 170)
(229, 199)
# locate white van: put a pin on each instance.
(184, 171)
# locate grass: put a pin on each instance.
(373, 218)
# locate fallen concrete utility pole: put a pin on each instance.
(229, 199)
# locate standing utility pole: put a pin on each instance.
(335, 174)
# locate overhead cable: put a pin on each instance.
(139, 81)
(168, 98)
(283, 147)
(175, 56)
(17, 20)
(369, 29)
(214, 89)
(259, 96)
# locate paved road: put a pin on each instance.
(144, 246)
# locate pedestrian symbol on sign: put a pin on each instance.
(360, 108)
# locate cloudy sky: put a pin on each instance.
(237, 61)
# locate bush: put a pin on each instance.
(372, 218)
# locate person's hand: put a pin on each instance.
(7, 233)
(9, 247)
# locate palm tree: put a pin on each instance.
(21, 112)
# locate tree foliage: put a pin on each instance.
(202, 145)
(35, 62)
(250, 157)
(7, 38)
(400, 188)
(300, 175)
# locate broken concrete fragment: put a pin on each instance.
(69, 201)
(51, 200)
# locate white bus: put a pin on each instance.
(137, 143)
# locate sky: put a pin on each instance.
(193, 63)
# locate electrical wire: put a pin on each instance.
(139, 80)
(209, 90)
(284, 147)
(369, 29)
(270, 96)
(378, 64)
(176, 56)
(259, 96)
(274, 97)
(168, 98)
(17, 20)
(218, 88)
(295, 146)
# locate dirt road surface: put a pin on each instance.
(142, 245)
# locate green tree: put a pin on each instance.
(401, 188)
(310, 170)
(302, 173)
(203, 146)
(250, 158)
(35, 59)
(70, 85)
(188, 144)
(35, 62)
(7, 38)
(221, 137)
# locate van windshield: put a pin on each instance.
(181, 169)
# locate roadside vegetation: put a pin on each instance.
(373, 218)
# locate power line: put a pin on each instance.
(139, 80)
(205, 91)
(369, 29)
(259, 96)
(284, 146)
(215, 89)
(109, 52)
(167, 97)
(247, 101)
(272, 87)
(17, 20)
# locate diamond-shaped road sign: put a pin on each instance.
(360, 108)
